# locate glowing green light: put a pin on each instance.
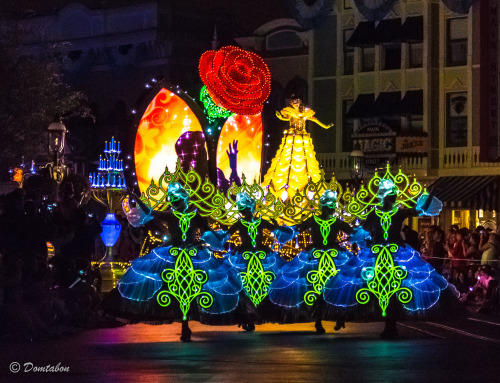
(366, 199)
(212, 110)
(325, 227)
(318, 278)
(252, 229)
(385, 219)
(256, 281)
(184, 283)
(385, 279)
(184, 221)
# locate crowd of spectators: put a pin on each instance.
(469, 259)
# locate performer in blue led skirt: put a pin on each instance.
(256, 263)
(180, 279)
(389, 268)
(301, 281)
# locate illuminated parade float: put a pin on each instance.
(294, 248)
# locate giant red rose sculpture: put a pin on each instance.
(236, 79)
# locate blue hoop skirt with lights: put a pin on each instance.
(288, 291)
(426, 284)
(135, 299)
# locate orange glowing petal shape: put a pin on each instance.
(247, 130)
(165, 119)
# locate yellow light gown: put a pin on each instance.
(295, 162)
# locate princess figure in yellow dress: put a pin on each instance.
(295, 162)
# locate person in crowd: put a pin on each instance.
(489, 246)
(458, 254)
(436, 252)
(478, 292)
(410, 237)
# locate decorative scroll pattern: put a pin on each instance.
(184, 283)
(325, 226)
(385, 220)
(362, 203)
(184, 221)
(318, 278)
(252, 229)
(256, 280)
(384, 280)
(211, 202)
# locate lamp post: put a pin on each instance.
(57, 138)
(356, 165)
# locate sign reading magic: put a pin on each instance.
(377, 141)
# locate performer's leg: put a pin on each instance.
(390, 329)
(249, 327)
(186, 331)
(339, 325)
(319, 327)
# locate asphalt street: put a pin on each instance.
(465, 351)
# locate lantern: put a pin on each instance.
(57, 135)
(111, 229)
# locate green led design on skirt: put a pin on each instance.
(384, 280)
(184, 283)
(385, 219)
(318, 278)
(256, 281)
(325, 225)
(252, 229)
(184, 221)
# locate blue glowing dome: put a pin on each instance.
(111, 229)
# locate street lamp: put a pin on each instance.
(356, 165)
(57, 138)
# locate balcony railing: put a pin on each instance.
(339, 163)
(458, 158)
(452, 161)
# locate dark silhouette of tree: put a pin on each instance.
(32, 92)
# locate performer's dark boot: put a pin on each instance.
(319, 327)
(249, 327)
(390, 330)
(186, 331)
(340, 324)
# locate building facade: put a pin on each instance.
(414, 83)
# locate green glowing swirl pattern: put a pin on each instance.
(184, 221)
(256, 280)
(384, 280)
(184, 283)
(211, 202)
(325, 226)
(318, 278)
(361, 203)
(385, 219)
(252, 229)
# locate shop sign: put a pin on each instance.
(377, 141)
(412, 145)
